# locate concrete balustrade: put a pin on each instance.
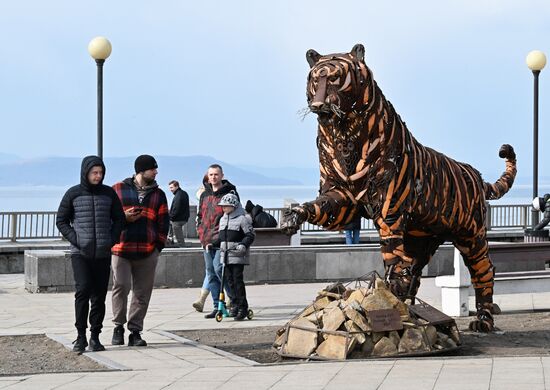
(51, 270)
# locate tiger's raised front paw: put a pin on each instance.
(291, 220)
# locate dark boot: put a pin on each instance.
(212, 314)
(135, 340)
(118, 335)
(80, 343)
(95, 344)
(241, 314)
(234, 311)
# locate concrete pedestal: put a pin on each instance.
(454, 289)
(454, 301)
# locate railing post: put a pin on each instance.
(13, 235)
(488, 216)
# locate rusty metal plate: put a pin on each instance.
(430, 314)
(385, 320)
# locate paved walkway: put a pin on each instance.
(169, 364)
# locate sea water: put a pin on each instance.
(47, 198)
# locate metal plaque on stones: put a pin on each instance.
(385, 320)
(430, 314)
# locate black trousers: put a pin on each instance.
(236, 283)
(91, 278)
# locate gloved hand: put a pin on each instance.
(240, 249)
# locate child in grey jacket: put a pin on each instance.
(235, 237)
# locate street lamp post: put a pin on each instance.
(100, 49)
(536, 60)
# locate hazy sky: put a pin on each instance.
(227, 79)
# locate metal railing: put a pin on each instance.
(508, 216)
(517, 216)
(28, 225)
(366, 224)
(41, 224)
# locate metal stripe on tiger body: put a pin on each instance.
(372, 165)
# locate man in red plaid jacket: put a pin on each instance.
(135, 258)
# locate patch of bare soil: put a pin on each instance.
(521, 334)
(250, 343)
(38, 354)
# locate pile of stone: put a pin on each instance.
(365, 322)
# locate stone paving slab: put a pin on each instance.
(170, 364)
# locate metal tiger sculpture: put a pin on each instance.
(417, 197)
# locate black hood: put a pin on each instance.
(225, 188)
(252, 209)
(88, 163)
(249, 206)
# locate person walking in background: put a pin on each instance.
(179, 211)
(208, 216)
(135, 259)
(234, 240)
(353, 230)
(90, 217)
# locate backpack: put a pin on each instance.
(260, 218)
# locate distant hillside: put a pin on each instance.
(186, 169)
(306, 176)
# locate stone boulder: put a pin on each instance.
(412, 341)
(333, 319)
(334, 347)
(301, 342)
(384, 347)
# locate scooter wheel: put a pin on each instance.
(250, 314)
(219, 317)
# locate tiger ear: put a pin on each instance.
(358, 51)
(312, 57)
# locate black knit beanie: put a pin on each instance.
(145, 162)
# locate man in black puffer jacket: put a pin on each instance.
(91, 218)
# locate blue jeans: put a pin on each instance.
(205, 282)
(213, 267)
(352, 236)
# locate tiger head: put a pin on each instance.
(337, 83)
